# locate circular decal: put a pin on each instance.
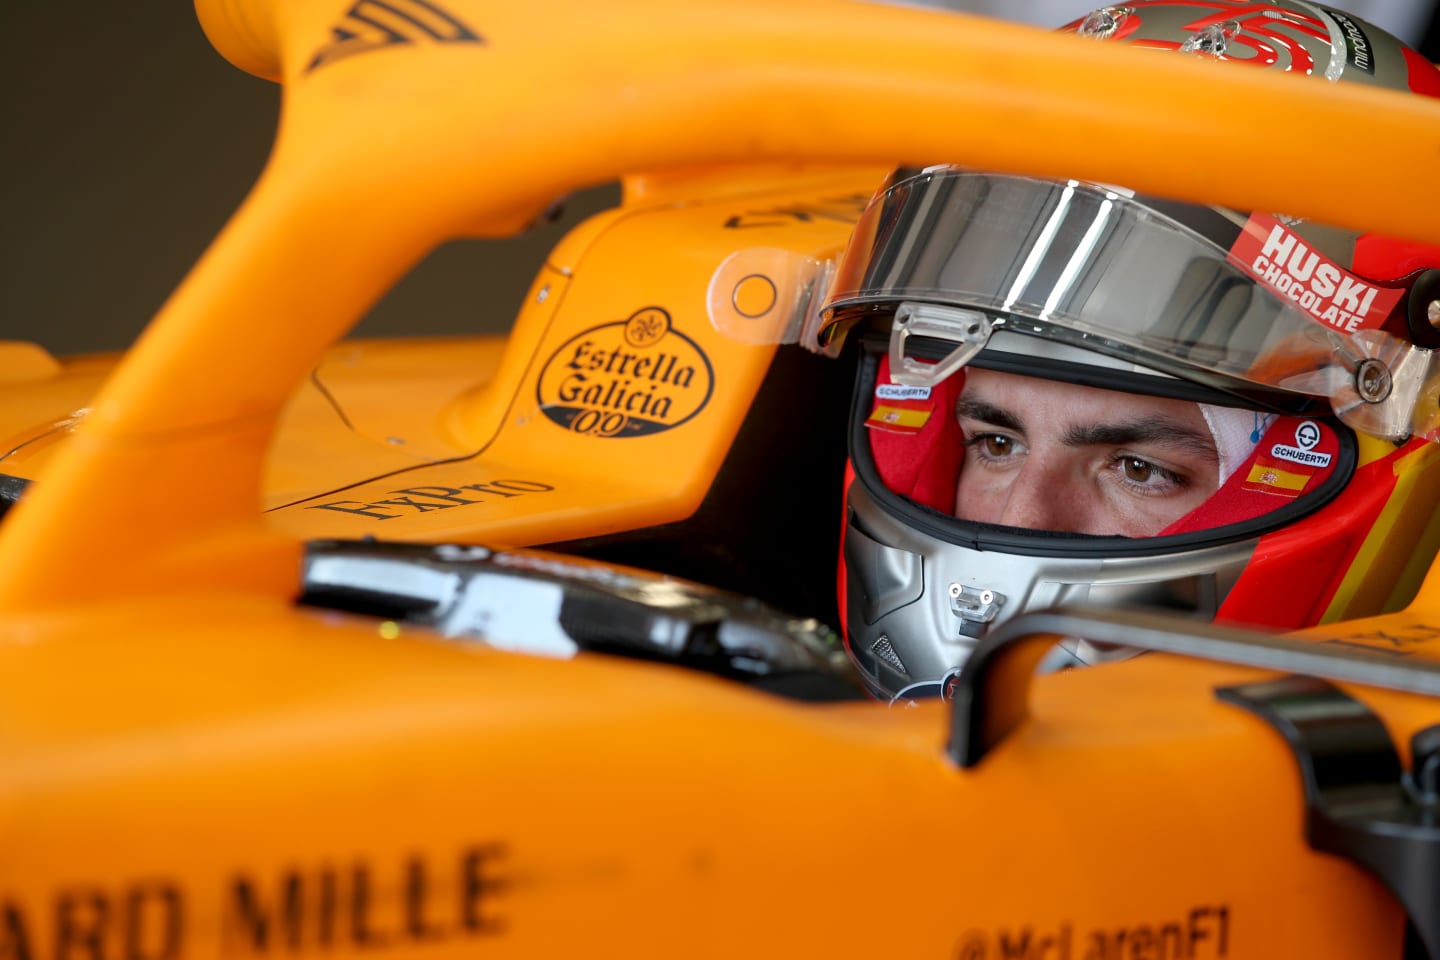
(630, 378)
(647, 327)
(1307, 435)
(754, 296)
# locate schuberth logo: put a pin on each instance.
(895, 391)
(1286, 470)
(630, 378)
(1307, 435)
(375, 24)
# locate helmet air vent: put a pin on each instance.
(883, 650)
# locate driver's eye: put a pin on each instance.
(997, 445)
(1140, 471)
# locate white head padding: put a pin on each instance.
(1236, 433)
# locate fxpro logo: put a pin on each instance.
(1307, 437)
(630, 378)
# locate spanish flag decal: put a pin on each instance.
(1268, 477)
(898, 417)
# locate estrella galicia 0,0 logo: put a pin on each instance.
(630, 378)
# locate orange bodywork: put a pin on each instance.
(192, 766)
(405, 439)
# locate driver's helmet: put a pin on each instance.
(1072, 393)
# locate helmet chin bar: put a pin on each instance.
(917, 604)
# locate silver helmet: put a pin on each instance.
(1068, 393)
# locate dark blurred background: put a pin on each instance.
(129, 141)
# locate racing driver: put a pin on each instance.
(1070, 392)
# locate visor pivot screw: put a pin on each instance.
(1372, 380)
(1432, 313)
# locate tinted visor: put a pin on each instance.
(1092, 266)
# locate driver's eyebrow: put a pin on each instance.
(1161, 431)
(975, 408)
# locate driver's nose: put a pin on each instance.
(1045, 496)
